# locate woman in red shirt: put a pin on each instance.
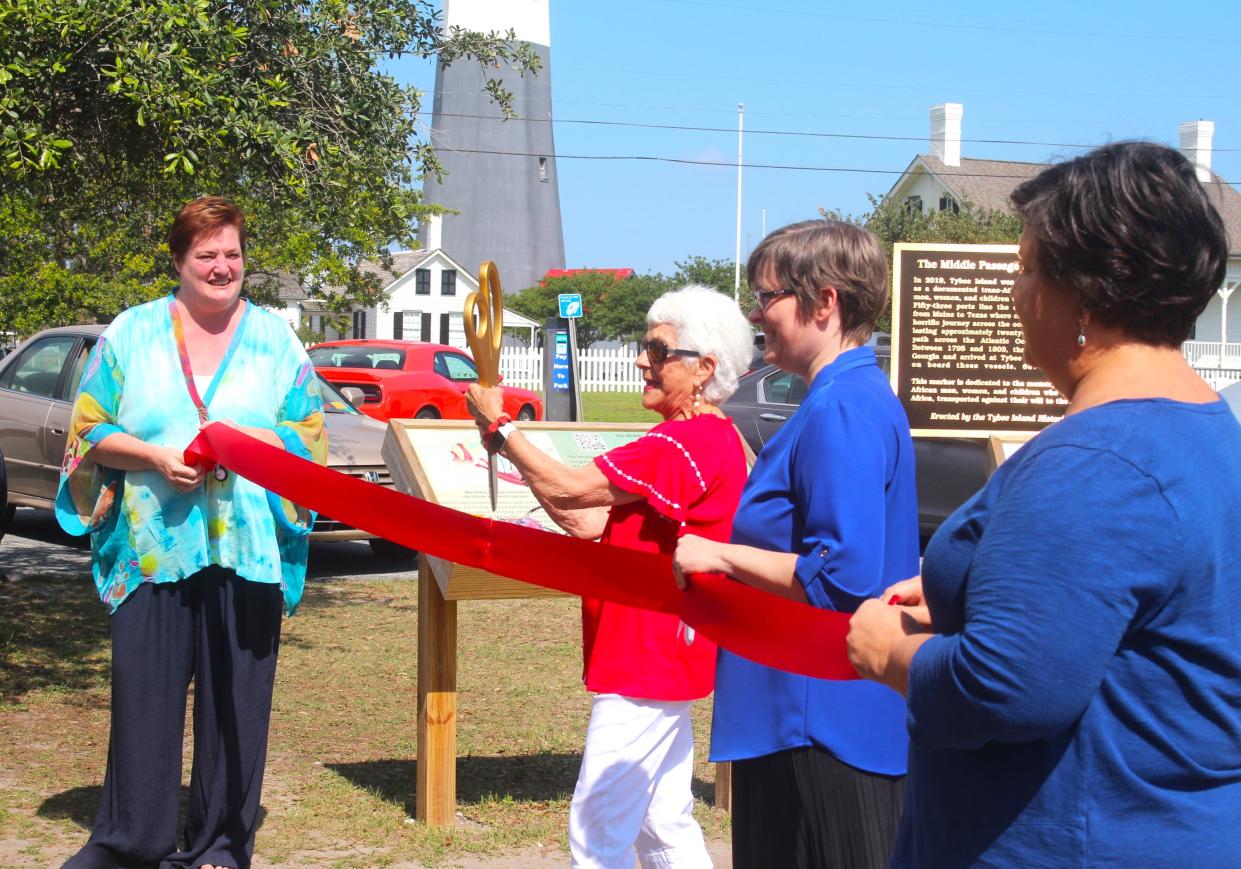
(684, 476)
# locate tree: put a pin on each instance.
(613, 308)
(892, 221)
(113, 113)
(717, 273)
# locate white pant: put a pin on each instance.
(633, 790)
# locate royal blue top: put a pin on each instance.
(1082, 705)
(836, 486)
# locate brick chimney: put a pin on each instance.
(1196, 146)
(946, 132)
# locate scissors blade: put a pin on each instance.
(493, 482)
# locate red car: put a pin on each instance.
(411, 379)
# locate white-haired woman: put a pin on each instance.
(684, 476)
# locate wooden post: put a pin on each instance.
(435, 800)
(724, 786)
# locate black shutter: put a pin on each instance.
(398, 325)
(443, 328)
(426, 328)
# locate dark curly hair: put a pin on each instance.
(1130, 230)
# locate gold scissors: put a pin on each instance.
(484, 329)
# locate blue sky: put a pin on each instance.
(1055, 72)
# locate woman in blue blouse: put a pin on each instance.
(195, 566)
(828, 517)
(1077, 701)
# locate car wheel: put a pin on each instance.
(427, 413)
(386, 549)
(526, 414)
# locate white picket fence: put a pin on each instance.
(1217, 363)
(598, 370)
(614, 371)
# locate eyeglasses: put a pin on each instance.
(658, 352)
(763, 298)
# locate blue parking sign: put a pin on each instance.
(570, 305)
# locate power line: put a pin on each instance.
(726, 164)
(791, 133)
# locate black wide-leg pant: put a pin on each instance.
(223, 632)
(803, 809)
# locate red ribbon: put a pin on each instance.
(754, 624)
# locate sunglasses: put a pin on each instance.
(658, 352)
(763, 298)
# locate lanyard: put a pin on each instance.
(178, 333)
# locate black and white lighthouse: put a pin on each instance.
(500, 176)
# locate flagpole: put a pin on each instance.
(737, 258)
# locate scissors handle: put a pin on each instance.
(484, 323)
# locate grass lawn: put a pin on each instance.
(615, 407)
(339, 787)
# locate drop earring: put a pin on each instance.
(1081, 334)
(697, 398)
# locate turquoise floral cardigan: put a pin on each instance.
(144, 530)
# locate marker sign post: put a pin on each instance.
(562, 398)
(957, 346)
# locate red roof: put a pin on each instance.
(619, 274)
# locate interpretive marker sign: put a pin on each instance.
(957, 346)
(444, 462)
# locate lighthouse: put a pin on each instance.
(499, 176)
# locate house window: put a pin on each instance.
(948, 202)
(448, 282)
(398, 325)
(359, 324)
(422, 282)
(913, 204)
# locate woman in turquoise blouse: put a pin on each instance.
(195, 565)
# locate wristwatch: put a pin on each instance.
(504, 432)
(499, 430)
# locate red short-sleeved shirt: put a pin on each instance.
(690, 474)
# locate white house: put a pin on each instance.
(943, 179)
(425, 292)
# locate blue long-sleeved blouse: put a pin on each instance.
(836, 486)
(1082, 703)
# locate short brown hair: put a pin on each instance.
(814, 254)
(203, 216)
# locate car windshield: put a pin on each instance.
(357, 356)
(333, 401)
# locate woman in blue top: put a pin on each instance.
(1077, 701)
(195, 566)
(828, 517)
